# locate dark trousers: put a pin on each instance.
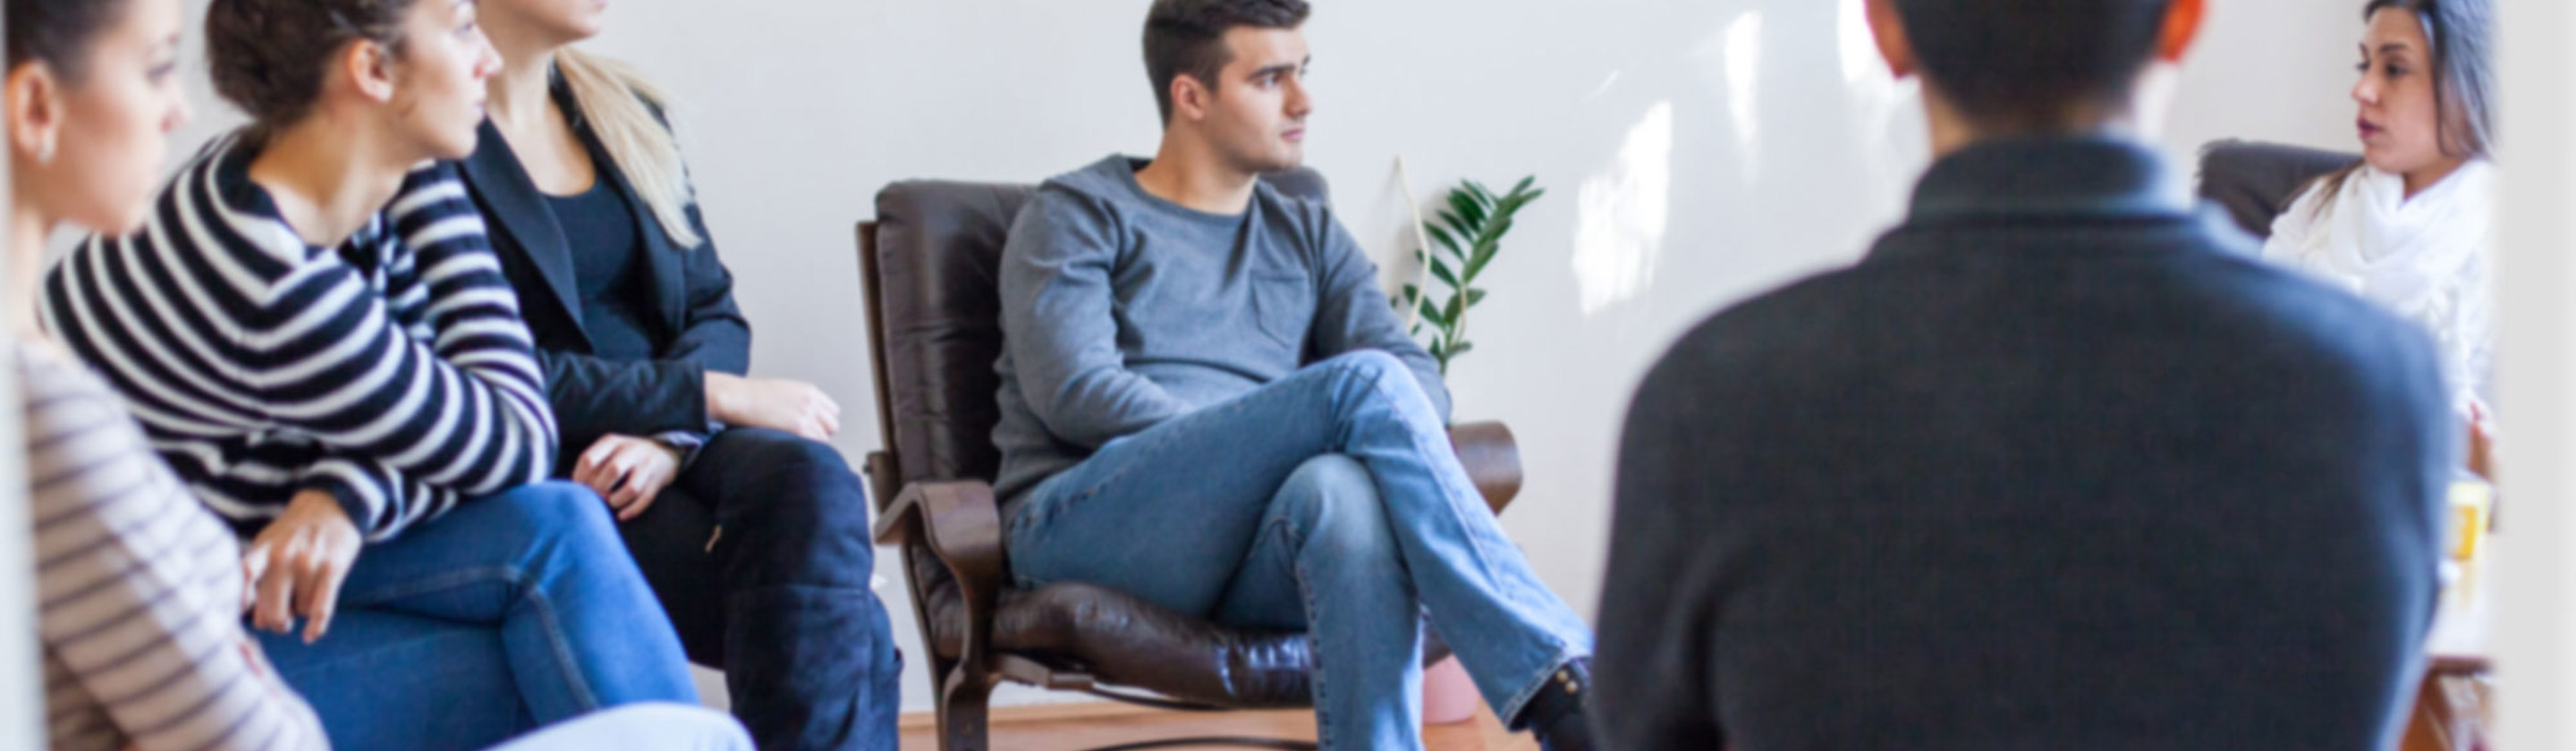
(780, 602)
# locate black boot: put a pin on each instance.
(1558, 712)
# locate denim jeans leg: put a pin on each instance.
(541, 565)
(808, 648)
(1505, 625)
(1326, 562)
(1168, 513)
(375, 680)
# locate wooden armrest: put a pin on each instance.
(962, 525)
(1492, 458)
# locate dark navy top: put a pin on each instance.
(608, 264)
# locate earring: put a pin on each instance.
(45, 151)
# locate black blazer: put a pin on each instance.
(701, 328)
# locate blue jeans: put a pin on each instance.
(640, 727)
(512, 611)
(781, 601)
(1329, 501)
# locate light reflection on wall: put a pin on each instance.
(1858, 49)
(1624, 212)
(1732, 60)
(1877, 98)
(1743, 90)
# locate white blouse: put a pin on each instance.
(2424, 258)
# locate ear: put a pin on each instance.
(1190, 98)
(1888, 26)
(2182, 27)
(35, 108)
(368, 66)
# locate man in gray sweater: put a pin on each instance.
(1188, 351)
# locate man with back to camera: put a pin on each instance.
(2058, 465)
(1189, 352)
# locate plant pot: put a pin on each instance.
(1448, 695)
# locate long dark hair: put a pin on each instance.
(2462, 35)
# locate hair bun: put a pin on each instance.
(270, 57)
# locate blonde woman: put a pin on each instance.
(644, 353)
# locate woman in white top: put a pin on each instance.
(2411, 226)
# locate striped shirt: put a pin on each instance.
(140, 589)
(392, 371)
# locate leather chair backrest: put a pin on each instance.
(2255, 182)
(938, 244)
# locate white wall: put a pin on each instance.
(1696, 152)
(2534, 272)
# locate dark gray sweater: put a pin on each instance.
(2059, 466)
(1121, 310)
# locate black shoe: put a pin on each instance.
(1557, 714)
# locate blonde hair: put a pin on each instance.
(619, 104)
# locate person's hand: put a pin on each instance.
(792, 406)
(628, 471)
(297, 563)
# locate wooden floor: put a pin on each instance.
(1050, 729)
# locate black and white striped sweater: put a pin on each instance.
(392, 371)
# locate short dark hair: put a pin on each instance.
(269, 57)
(2028, 65)
(57, 33)
(1188, 36)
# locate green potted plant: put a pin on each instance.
(1458, 247)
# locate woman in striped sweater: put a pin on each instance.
(313, 332)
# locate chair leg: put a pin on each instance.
(964, 719)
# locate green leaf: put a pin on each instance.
(1440, 270)
(1465, 204)
(1465, 236)
(1441, 236)
(1457, 304)
(1483, 254)
(1475, 295)
(1432, 313)
(1411, 292)
(1462, 348)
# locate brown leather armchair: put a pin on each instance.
(2256, 181)
(934, 332)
